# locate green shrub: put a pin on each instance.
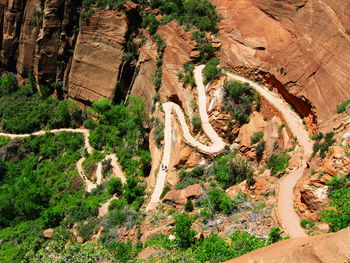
(190, 177)
(115, 186)
(342, 107)
(275, 234)
(90, 124)
(189, 206)
(86, 230)
(238, 100)
(196, 123)
(242, 243)
(213, 249)
(90, 163)
(4, 141)
(211, 70)
(190, 13)
(259, 150)
(323, 146)
(256, 137)
(184, 234)
(278, 163)
(230, 170)
(8, 84)
(307, 223)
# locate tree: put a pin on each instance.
(183, 230)
(275, 234)
(115, 186)
(213, 249)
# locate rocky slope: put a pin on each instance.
(304, 45)
(326, 248)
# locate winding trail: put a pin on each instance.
(287, 216)
(216, 147)
(286, 213)
(89, 186)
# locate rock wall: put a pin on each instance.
(325, 248)
(305, 44)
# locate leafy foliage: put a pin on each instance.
(183, 232)
(230, 170)
(190, 177)
(238, 100)
(198, 13)
(278, 162)
(256, 137)
(322, 146)
(342, 107)
(23, 110)
(211, 70)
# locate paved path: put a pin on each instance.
(216, 147)
(287, 215)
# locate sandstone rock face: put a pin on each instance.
(305, 44)
(326, 248)
(181, 196)
(97, 57)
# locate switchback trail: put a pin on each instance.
(287, 216)
(216, 147)
(89, 186)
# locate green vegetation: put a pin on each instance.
(307, 224)
(190, 177)
(259, 150)
(40, 188)
(278, 163)
(90, 163)
(184, 234)
(204, 46)
(190, 13)
(186, 75)
(89, 6)
(158, 132)
(211, 70)
(230, 170)
(322, 143)
(122, 129)
(115, 186)
(338, 213)
(256, 137)
(4, 141)
(196, 123)
(23, 110)
(238, 100)
(342, 107)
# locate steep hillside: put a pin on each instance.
(304, 44)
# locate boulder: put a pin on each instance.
(329, 168)
(48, 233)
(180, 196)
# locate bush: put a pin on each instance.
(90, 124)
(86, 230)
(230, 170)
(189, 206)
(8, 84)
(213, 249)
(278, 163)
(275, 234)
(197, 123)
(238, 100)
(242, 243)
(304, 223)
(256, 137)
(342, 107)
(191, 13)
(190, 177)
(211, 70)
(183, 230)
(115, 186)
(323, 146)
(158, 133)
(259, 150)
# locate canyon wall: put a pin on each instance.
(304, 44)
(301, 46)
